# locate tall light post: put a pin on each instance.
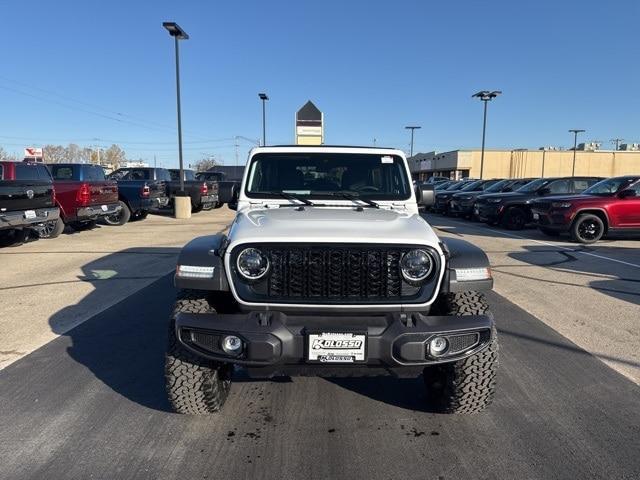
(486, 96)
(575, 132)
(178, 34)
(264, 98)
(412, 128)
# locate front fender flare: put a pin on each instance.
(462, 254)
(204, 252)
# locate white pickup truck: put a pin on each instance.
(329, 269)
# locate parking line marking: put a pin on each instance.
(549, 244)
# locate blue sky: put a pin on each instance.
(77, 71)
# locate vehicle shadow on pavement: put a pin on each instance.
(624, 287)
(124, 344)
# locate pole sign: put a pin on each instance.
(309, 125)
(33, 153)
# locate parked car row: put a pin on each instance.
(586, 208)
(44, 199)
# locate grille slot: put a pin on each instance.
(325, 274)
(460, 343)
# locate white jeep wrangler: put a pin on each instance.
(328, 269)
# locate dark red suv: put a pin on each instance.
(611, 206)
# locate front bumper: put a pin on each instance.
(457, 207)
(21, 219)
(95, 211)
(489, 212)
(275, 339)
(555, 220)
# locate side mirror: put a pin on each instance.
(544, 191)
(627, 193)
(425, 195)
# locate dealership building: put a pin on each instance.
(523, 163)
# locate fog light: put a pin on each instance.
(232, 345)
(438, 346)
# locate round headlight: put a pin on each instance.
(416, 265)
(252, 264)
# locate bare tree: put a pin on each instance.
(205, 164)
(54, 154)
(114, 156)
(7, 157)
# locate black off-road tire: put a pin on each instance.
(120, 218)
(196, 208)
(587, 228)
(468, 385)
(195, 385)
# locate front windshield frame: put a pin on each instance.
(623, 182)
(324, 167)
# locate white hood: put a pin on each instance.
(331, 225)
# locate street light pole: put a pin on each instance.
(575, 146)
(412, 128)
(264, 98)
(486, 96)
(178, 34)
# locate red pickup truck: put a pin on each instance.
(83, 194)
(610, 207)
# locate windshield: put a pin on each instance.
(456, 186)
(608, 187)
(321, 175)
(471, 186)
(498, 186)
(534, 186)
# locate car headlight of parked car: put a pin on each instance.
(494, 200)
(560, 204)
(416, 265)
(252, 264)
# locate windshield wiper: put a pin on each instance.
(355, 196)
(291, 196)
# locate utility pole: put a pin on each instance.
(616, 142)
(575, 132)
(237, 146)
(374, 141)
(155, 163)
(412, 128)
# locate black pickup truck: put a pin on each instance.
(139, 190)
(26, 202)
(227, 189)
(203, 193)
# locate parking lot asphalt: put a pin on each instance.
(588, 293)
(91, 404)
(48, 286)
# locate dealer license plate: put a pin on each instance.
(104, 208)
(29, 214)
(337, 347)
(536, 216)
